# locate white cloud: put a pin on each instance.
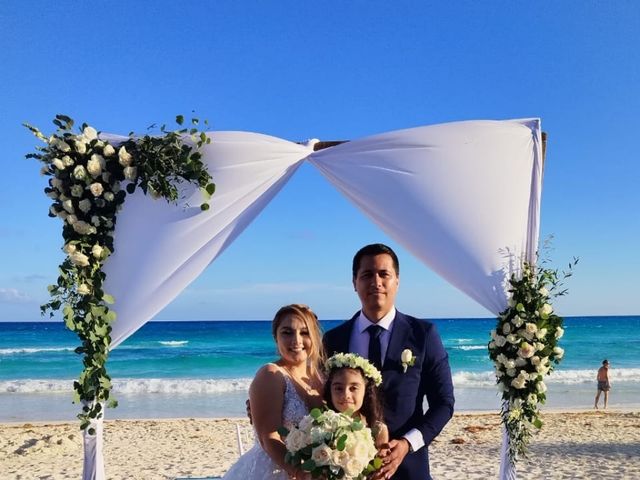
(12, 295)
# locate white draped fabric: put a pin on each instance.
(463, 197)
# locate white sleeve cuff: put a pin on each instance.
(414, 437)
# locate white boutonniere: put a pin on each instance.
(408, 359)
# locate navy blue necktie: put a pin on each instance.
(375, 349)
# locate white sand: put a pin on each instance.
(586, 444)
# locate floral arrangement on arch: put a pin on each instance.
(332, 445)
(89, 180)
(524, 349)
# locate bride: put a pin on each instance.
(282, 393)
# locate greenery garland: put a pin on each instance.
(524, 349)
(87, 175)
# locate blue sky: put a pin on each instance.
(332, 70)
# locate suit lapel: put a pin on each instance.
(398, 340)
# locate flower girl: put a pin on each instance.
(352, 386)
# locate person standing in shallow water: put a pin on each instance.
(603, 383)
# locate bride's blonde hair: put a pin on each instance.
(304, 313)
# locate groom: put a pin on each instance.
(412, 359)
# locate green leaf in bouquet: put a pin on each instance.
(309, 465)
(315, 413)
(341, 443)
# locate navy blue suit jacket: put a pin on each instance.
(404, 393)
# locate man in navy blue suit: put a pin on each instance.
(413, 362)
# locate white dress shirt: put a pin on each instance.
(359, 343)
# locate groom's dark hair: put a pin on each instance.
(371, 251)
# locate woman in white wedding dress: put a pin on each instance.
(282, 393)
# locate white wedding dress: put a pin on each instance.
(256, 464)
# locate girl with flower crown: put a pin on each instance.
(353, 386)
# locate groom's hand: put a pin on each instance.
(398, 449)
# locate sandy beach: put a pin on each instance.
(572, 444)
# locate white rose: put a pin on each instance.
(406, 356)
(540, 334)
(109, 197)
(94, 165)
(85, 205)
(511, 372)
(539, 346)
(533, 376)
(506, 328)
(95, 220)
(80, 146)
(559, 332)
(559, 352)
(339, 458)
(353, 467)
(56, 183)
(321, 455)
(108, 150)
(63, 215)
(502, 358)
(61, 145)
(83, 228)
(546, 309)
(542, 369)
(541, 387)
(130, 173)
(519, 382)
(59, 164)
(79, 258)
(77, 191)
(500, 341)
(511, 338)
(69, 248)
(67, 160)
(544, 292)
(90, 133)
(124, 157)
(68, 206)
(526, 350)
(520, 362)
(535, 360)
(531, 328)
(96, 189)
(79, 173)
(532, 399)
(524, 334)
(71, 219)
(510, 364)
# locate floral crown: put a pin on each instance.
(352, 360)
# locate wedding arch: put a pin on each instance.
(463, 197)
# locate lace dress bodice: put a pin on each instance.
(256, 464)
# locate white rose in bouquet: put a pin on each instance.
(321, 455)
(108, 150)
(546, 309)
(526, 350)
(97, 251)
(84, 205)
(559, 352)
(59, 164)
(95, 165)
(79, 258)
(124, 157)
(90, 133)
(559, 332)
(96, 189)
(80, 146)
(77, 191)
(83, 289)
(130, 173)
(79, 173)
(69, 248)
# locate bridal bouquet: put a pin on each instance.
(332, 445)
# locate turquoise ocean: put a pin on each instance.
(203, 369)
